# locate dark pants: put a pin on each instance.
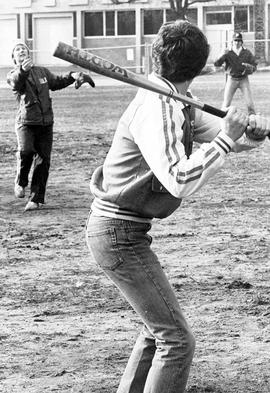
(34, 147)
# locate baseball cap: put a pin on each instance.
(237, 37)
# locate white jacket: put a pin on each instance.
(147, 172)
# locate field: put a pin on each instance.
(64, 327)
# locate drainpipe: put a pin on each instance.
(138, 43)
(79, 29)
(200, 17)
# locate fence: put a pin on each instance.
(137, 58)
(260, 48)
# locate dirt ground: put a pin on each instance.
(65, 328)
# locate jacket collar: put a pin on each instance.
(163, 81)
(153, 77)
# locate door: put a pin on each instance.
(8, 37)
(48, 31)
(219, 31)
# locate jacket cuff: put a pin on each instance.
(223, 143)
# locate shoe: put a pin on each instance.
(32, 206)
(19, 191)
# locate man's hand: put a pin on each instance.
(249, 69)
(80, 78)
(27, 64)
(258, 127)
(234, 123)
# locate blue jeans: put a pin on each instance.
(161, 358)
(232, 85)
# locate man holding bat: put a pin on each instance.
(34, 121)
(149, 168)
(239, 64)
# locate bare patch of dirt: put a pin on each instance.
(65, 328)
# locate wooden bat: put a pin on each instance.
(105, 67)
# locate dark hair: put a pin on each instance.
(180, 51)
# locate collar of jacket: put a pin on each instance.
(153, 77)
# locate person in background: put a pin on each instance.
(31, 85)
(149, 168)
(239, 64)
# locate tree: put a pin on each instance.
(179, 8)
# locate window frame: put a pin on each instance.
(116, 26)
(218, 12)
(154, 9)
(104, 24)
(84, 24)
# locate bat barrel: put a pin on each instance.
(87, 60)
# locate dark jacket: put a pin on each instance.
(233, 63)
(32, 92)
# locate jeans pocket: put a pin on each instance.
(104, 248)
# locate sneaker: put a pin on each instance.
(32, 206)
(19, 191)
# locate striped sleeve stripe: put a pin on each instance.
(198, 168)
(225, 143)
(171, 152)
(222, 143)
(222, 147)
(165, 129)
(212, 160)
(210, 151)
(190, 179)
(174, 140)
(201, 168)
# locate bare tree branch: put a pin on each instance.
(199, 1)
(116, 2)
(179, 8)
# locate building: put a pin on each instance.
(123, 32)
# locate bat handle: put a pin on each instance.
(214, 111)
(217, 112)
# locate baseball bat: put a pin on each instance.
(105, 67)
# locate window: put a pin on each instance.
(93, 24)
(170, 15)
(103, 23)
(110, 25)
(218, 18)
(126, 22)
(152, 20)
(29, 26)
(241, 19)
(244, 18)
(74, 24)
(192, 15)
(251, 18)
(18, 26)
